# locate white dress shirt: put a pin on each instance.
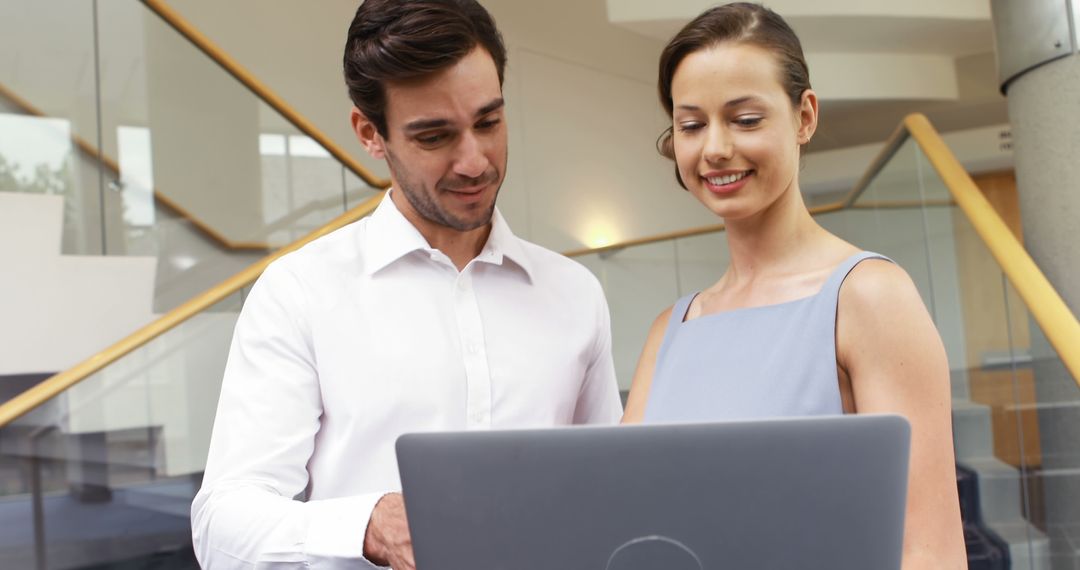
(367, 334)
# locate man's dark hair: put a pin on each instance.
(399, 40)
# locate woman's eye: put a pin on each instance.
(748, 121)
(688, 127)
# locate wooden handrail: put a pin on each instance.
(230, 65)
(701, 230)
(54, 385)
(1043, 302)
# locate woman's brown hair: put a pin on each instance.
(739, 22)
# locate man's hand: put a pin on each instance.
(387, 542)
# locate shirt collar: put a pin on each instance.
(391, 236)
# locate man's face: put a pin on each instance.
(446, 144)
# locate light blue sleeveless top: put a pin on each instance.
(757, 362)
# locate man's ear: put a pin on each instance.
(367, 134)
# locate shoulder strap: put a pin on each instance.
(678, 313)
(836, 279)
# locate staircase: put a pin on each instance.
(992, 494)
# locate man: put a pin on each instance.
(428, 315)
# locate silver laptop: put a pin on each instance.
(809, 493)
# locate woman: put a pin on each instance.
(801, 322)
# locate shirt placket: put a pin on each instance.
(474, 354)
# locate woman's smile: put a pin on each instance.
(726, 182)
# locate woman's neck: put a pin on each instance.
(773, 241)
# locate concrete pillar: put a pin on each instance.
(1039, 68)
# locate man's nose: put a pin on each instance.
(471, 161)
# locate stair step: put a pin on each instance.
(1029, 548)
(973, 434)
(999, 490)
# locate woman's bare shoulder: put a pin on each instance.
(878, 284)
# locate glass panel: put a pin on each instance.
(639, 282)
(895, 182)
(112, 464)
(48, 114)
(993, 434)
(701, 260)
(189, 179)
(1047, 413)
(356, 190)
(1024, 455)
(207, 180)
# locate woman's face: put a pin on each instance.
(736, 133)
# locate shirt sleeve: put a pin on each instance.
(599, 401)
(246, 514)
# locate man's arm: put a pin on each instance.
(599, 401)
(264, 435)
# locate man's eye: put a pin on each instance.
(487, 124)
(430, 139)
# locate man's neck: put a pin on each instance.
(460, 246)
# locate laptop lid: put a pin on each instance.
(802, 493)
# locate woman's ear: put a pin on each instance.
(807, 116)
(367, 134)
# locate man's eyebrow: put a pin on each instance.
(425, 124)
(491, 107)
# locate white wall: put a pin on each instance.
(57, 310)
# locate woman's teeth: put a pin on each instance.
(725, 180)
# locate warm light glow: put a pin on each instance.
(599, 234)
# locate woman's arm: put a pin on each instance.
(888, 345)
(639, 389)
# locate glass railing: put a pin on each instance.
(1016, 407)
(179, 182)
(104, 473)
(99, 463)
(156, 149)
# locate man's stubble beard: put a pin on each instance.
(424, 203)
